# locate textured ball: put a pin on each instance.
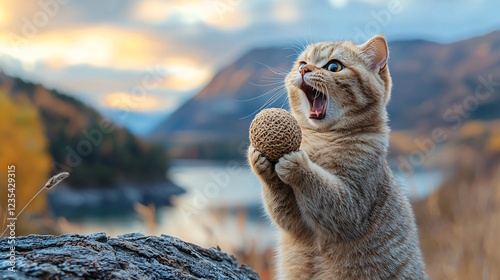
(275, 132)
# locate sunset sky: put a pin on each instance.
(104, 51)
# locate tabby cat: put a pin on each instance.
(340, 212)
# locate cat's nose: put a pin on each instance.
(304, 70)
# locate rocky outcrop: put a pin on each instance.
(131, 256)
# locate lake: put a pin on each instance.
(222, 206)
(232, 184)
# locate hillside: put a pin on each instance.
(214, 123)
(81, 141)
(430, 81)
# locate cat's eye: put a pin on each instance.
(334, 66)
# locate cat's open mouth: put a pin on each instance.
(317, 101)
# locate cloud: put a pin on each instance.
(152, 11)
(339, 3)
(94, 85)
(94, 45)
(220, 14)
(343, 3)
(4, 17)
(286, 13)
(95, 48)
(185, 74)
(138, 102)
(104, 58)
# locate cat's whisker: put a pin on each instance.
(267, 85)
(305, 39)
(293, 54)
(273, 90)
(269, 102)
(285, 101)
(296, 46)
(273, 98)
(326, 91)
(273, 78)
(323, 88)
(275, 71)
(304, 46)
(317, 94)
(293, 48)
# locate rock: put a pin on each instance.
(131, 256)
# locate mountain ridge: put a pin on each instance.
(429, 78)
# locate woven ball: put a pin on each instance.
(275, 132)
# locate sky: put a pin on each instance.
(150, 56)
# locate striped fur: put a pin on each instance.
(340, 212)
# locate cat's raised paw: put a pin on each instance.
(261, 166)
(291, 167)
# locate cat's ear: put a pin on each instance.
(377, 52)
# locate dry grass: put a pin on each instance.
(460, 223)
(261, 260)
(148, 215)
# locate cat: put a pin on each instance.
(339, 210)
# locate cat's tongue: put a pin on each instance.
(318, 107)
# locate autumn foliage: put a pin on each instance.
(23, 144)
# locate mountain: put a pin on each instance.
(432, 82)
(434, 85)
(214, 123)
(94, 150)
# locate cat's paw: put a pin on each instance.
(260, 165)
(291, 167)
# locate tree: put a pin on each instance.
(24, 146)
